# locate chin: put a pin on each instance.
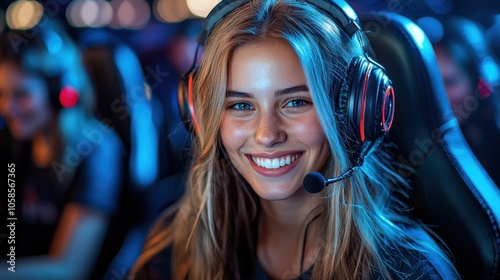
(277, 193)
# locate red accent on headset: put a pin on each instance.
(389, 92)
(363, 105)
(191, 102)
(68, 97)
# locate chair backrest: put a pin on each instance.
(124, 102)
(452, 193)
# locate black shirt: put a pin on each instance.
(405, 264)
(42, 193)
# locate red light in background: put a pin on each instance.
(68, 97)
(484, 88)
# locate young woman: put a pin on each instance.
(67, 165)
(271, 103)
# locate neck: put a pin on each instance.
(282, 248)
(287, 216)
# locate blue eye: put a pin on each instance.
(297, 102)
(240, 106)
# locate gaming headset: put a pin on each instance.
(365, 101)
(62, 94)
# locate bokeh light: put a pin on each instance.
(131, 14)
(104, 14)
(68, 97)
(201, 8)
(171, 10)
(24, 14)
(432, 28)
(89, 12)
(73, 13)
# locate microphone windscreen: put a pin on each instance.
(314, 182)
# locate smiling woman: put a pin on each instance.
(65, 199)
(285, 88)
(270, 128)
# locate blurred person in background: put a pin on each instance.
(68, 166)
(472, 77)
(494, 45)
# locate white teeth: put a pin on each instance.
(275, 163)
(267, 163)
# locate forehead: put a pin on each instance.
(12, 77)
(271, 64)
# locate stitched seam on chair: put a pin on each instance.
(494, 235)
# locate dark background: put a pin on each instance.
(156, 33)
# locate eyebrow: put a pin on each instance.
(240, 94)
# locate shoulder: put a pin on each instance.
(100, 155)
(407, 263)
(158, 267)
(158, 257)
(413, 261)
(103, 141)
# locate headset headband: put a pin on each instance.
(339, 9)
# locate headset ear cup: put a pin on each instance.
(182, 102)
(382, 110)
(185, 96)
(379, 100)
(341, 107)
(344, 108)
(365, 103)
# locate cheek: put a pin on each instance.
(310, 130)
(312, 135)
(233, 135)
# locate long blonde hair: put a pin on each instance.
(213, 231)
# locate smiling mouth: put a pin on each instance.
(275, 163)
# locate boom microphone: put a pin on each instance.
(315, 182)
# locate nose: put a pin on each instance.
(270, 130)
